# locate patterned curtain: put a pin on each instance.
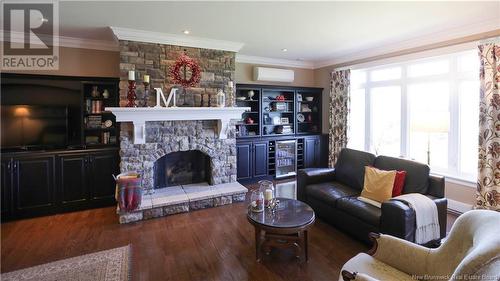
(488, 184)
(339, 109)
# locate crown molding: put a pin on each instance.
(274, 62)
(122, 33)
(414, 43)
(69, 42)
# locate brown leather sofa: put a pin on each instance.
(332, 193)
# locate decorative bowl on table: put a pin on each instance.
(309, 98)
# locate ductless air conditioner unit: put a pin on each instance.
(272, 74)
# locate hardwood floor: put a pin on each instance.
(209, 244)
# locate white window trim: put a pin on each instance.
(454, 108)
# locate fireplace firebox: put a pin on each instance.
(181, 167)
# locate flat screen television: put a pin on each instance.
(40, 112)
(34, 126)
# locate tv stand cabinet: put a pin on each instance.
(48, 182)
(44, 182)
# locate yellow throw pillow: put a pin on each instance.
(378, 184)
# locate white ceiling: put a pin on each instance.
(311, 31)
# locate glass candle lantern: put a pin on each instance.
(257, 201)
(267, 188)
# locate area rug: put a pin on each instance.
(109, 265)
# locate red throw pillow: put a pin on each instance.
(399, 182)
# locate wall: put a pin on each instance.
(84, 62)
(303, 77)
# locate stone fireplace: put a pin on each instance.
(167, 139)
(186, 163)
(190, 162)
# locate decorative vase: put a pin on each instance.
(221, 98)
(95, 92)
(131, 96)
(105, 94)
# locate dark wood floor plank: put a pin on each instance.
(211, 244)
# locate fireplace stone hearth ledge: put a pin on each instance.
(184, 198)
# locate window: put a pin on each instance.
(426, 110)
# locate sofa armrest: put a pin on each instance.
(403, 255)
(398, 219)
(442, 208)
(436, 186)
(310, 176)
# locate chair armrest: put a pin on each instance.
(311, 176)
(398, 219)
(403, 255)
(355, 276)
(436, 186)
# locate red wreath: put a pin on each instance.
(178, 71)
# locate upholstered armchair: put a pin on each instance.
(470, 252)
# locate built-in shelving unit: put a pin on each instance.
(281, 133)
(250, 120)
(278, 111)
(100, 129)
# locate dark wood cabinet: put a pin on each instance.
(312, 152)
(252, 160)
(260, 163)
(6, 182)
(73, 186)
(33, 184)
(41, 183)
(101, 183)
(244, 160)
(256, 157)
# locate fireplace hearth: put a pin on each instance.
(181, 168)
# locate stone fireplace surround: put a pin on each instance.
(164, 137)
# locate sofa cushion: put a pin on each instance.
(417, 174)
(329, 192)
(359, 209)
(350, 167)
(378, 184)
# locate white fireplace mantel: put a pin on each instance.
(140, 115)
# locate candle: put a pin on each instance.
(230, 84)
(131, 75)
(146, 79)
(268, 195)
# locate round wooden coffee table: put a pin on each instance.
(286, 227)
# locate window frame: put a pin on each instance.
(454, 77)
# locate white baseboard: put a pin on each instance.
(458, 206)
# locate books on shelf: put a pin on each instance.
(93, 121)
(94, 106)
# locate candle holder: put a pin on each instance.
(146, 93)
(131, 96)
